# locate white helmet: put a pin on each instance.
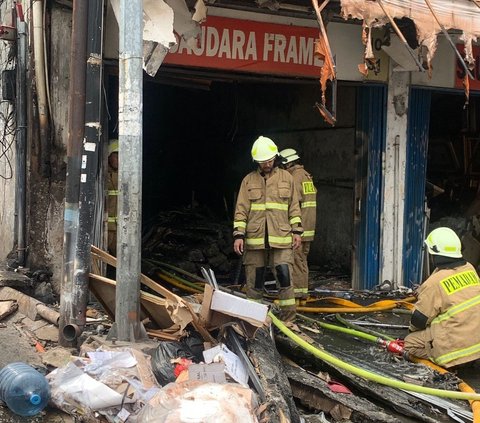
(289, 155)
(264, 149)
(444, 242)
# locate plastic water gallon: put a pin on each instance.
(25, 391)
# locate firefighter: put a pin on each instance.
(445, 327)
(112, 195)
(267, 226)
(307, 194)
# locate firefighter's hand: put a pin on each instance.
(238, 246)
(297, 241)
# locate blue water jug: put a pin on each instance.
(25, 391)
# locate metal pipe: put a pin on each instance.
(73, 298)
(40, 83)
(21, 145)
(89, 157)
(127, 325)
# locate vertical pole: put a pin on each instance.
(89, 165)
(127, 310)
(394, 178)
(72, 300)
(21, 150)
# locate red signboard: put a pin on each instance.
(248, 46)
(460, 72)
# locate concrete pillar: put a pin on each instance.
(393, 204)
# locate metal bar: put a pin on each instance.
(402, 38)
(207, 277)
(328, 116)
(318, 10)
(252, 374)
(214, 279)
(457, 53)
(323, 6)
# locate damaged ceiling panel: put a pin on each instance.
(161, 19)
(430, 17)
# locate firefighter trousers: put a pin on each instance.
(300, 270)
(280, 261)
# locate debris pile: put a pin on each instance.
(190, 239)
(215, 356)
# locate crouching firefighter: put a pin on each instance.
(445, 326)
(267, 226)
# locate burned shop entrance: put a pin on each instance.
(197, 136)
(453, 169)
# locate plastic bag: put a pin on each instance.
(199, 402)
(162, 367)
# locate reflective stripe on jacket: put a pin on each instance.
(307, 195)
(112, 198)
(267, 205)
(450, 298)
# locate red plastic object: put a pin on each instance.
(338, 388)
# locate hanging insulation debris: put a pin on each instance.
(430, 17)
(162, 20)
(327, 71)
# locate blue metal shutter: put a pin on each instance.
(370, 132)
(415, 179)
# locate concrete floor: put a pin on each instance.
(16, 348)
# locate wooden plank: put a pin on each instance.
(276, 386)
(7, 307)
(314, 392)
(112, 261)
(396, 399)
(104, 291)
(26, 305)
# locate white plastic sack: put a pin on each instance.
(72, 388)
(199, 402)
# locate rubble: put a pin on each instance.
(190, 239)
(214, 356)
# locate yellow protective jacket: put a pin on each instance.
(450, 299)
(112, 198)
(267, 207)
(307, 195)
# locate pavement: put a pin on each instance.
(16, 348)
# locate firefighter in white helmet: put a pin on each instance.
(267, 226)
(307, 194)
(445, 327)
(112, 195)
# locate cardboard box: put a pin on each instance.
(220, 308)
(239, 307)
(213, 372)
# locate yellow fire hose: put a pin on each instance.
(348, 306)
(466, 393)
(323, 355)
(175, 282)
(464, 387)
(358, 332)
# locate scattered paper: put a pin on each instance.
(233, 365)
